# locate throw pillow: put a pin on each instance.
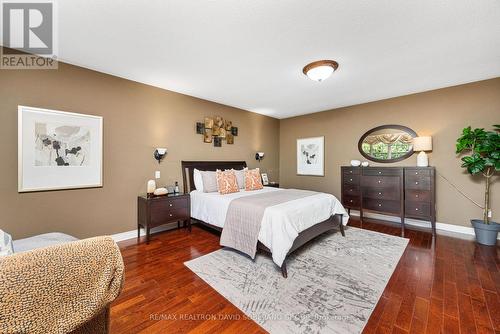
(226, 182)
(198, 181)
(209, 181)
(253, 179)
(240, 177)
(5, 244)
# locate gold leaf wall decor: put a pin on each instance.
(215, 129)
(229, 138)
(209, 122)
(207, 136)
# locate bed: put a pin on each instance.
(284, 228)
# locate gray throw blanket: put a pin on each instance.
(244, 218)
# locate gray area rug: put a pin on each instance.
(333, 282)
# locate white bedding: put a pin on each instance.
(281, 223)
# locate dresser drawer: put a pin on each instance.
(351, 179)
(350, 201)
(381, 181)
(417, 171)
(417, 209)
(382, 193)
(164, 210)
(351, 190)
(168, 203)
(417, 182)
(418, 195)
(373, 171)
(382, 205)
(176, 203)
(161, 217)
(350, 170)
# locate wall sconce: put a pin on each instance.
(259, 156)
(160, 153)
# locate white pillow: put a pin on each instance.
(198, 180)
(5, 244)
(240, 177)
(209, 181)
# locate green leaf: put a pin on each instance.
(483, 147)
(489, 162)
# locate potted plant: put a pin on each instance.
(482, 149)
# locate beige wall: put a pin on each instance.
(440, 113)
(137, 118)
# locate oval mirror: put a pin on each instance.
(387, 143)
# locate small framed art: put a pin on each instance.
(311, 156)
(265, 179)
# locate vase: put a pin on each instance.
(486, 234)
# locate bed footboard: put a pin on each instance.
(335, 221)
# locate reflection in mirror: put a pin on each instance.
(388, 143)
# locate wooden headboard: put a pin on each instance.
(189, 166)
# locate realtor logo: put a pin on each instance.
(28, 31)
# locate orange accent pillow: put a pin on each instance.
(226, 182)
(253, 180)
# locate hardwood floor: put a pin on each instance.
(448, 285)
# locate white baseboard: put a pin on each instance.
(421, 223)
(465, 230)
(133, 234)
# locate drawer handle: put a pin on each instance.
(380, 193)
(380, 205)
(170, 215)
(416, 196)
(350, 171)
(380, 172)
(416, 209)
(416, 173)
(379, 181)
(350, 179)
(416, 182)
(351, 200)
(350, 189)
(170, 204)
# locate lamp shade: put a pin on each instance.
(422, 144)
(161, 150)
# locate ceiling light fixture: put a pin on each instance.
(320, 70)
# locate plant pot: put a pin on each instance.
(486, 234)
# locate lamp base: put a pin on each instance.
(422, 160)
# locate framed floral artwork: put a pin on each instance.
(311, 156)
(58, 150)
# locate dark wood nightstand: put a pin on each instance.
(273, 184)
(160, 210)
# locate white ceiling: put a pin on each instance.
(250, 54)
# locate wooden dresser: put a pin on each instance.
(160, 210)
(397, 191)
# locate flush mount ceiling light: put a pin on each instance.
(320, 70)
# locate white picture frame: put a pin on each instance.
(58, 150)
(311, 156)
(265, 179)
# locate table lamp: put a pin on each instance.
(422, 144)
